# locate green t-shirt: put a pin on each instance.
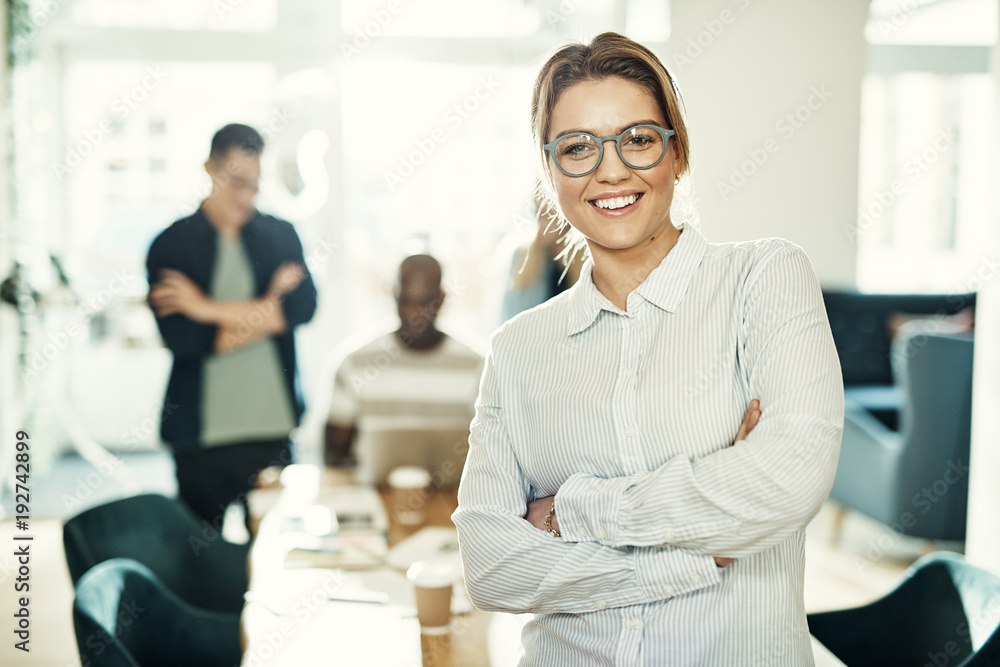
(244, 396)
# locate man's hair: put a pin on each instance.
(234, 135)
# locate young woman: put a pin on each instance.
(649, 446)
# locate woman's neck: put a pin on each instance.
(617, 272)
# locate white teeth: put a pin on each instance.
(616, 202)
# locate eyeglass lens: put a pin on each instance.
(640, 148)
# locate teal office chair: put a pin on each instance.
(915, 480)
(944, 612)
(188, 556)
(125, 617)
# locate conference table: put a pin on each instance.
(313, 612)
(298, 614)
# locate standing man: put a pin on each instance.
(228, 285)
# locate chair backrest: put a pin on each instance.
(858, 323)
(935, 373)
(125, 617)
(945, 611)
(188, 556)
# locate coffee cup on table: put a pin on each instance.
(410, 489)
(432, 584)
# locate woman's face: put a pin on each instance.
(604, 108)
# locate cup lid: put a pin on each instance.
(432, 574)
(409, 477)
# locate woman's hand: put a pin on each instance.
(750, 420)
(538, 510)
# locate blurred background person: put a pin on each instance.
(416, 374)
(541, 268)
(228, 285)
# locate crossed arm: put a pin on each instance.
(538, 510)
(239, 323)
(664, 532)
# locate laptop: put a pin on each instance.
(439, 447)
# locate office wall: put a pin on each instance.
(773, 97)
(983, 538)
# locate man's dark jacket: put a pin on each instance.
(189, 246)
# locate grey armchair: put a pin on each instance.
(915, 480)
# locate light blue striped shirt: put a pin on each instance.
(629, 419)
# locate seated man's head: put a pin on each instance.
(234, 165)
(418, 299)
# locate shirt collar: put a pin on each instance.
(664, 287)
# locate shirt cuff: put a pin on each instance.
(667, 572)
(587, 508)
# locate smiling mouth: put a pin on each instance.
(615, 203)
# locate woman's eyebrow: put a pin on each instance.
(620, 130)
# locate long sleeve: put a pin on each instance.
(512, 566)
(299, 305)
(742, 499)
(184, 337)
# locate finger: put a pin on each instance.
(170, 273)
(741, 434)
(162, 310)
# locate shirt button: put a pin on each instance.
(633, 321)
(669, 535)
(696, 579)
(600, 605)
(668, 590)
(633, 624)
(628, 431)
(601, 534)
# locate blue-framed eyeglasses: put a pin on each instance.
(580, 153)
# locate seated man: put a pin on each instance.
(415, 379)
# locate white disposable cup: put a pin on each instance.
(410, 490)
(432, 584)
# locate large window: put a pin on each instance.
(392, 127)
(927, 132)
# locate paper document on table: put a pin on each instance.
(348, 550)
(356, 507)
(431, 543)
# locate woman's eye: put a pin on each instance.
(577, 150)
(639, 141)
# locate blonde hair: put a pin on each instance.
(608, 55)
